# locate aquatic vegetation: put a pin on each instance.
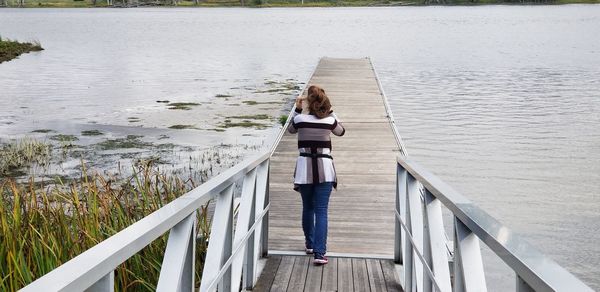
(42, 227)
(182, 127)
(91, 133)
(131, 141)
(133, 119)
(10, 49)
(223, 95)
(182, 105)
(283, 119)
(64, 138)
(42, 131)
(243, 124)
(250, 102)
(252, 117)
(162, 101)
(20, 154)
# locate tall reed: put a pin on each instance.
(43, 226)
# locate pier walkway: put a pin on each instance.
(386, 229)
(361, 211)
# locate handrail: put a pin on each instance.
(534, 271)
(98, 263)
(287, 121)
(389, 113)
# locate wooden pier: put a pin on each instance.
(361, 211)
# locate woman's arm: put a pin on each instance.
(338, 128)
(292, 125)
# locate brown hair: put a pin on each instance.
(318, 102)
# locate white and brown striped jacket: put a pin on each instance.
(315, 164)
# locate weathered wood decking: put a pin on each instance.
(297, 273)
(361, 211)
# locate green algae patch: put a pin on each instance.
(251, 117)
(64, 138)
(42, 131)
(182, 127)
(243, 124)
(131, 141)
(182, 105)
(91, 133)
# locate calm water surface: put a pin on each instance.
(503, 102)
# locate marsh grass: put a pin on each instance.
(43, 227)
(10, 49)
(19, 154)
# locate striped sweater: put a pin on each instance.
(315, 165)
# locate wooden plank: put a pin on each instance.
(376, 280)
(313, 278)
(359, 275)
(392, 281)
(267, 276)
(284, 272)
(345, 282)
(298, 278)
(329, 282)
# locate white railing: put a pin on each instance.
(228, 253)
(421, 241)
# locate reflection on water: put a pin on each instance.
(502, 102)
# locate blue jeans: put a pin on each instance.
(315, 200)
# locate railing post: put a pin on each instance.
(265, 221)
(416, 229)
(468, 266)
(400, 193)
(262, 187)
(177, 270)
(105, 284)
(248, 274)
(407, 259)
(245, 214)
(522, 286)
(219, 246)
(438, 260)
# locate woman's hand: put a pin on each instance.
(299, 102)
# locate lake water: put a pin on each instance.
(502, 102)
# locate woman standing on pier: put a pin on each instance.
(315, 176)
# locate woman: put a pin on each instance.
(315, 175)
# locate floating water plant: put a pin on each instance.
(252, 117)
(42, 131)
(64, 138)
(181, 127)
(223, 95)
(182, 105)
(91, 133)
(131, 141)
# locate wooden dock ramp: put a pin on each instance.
(361, 211)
